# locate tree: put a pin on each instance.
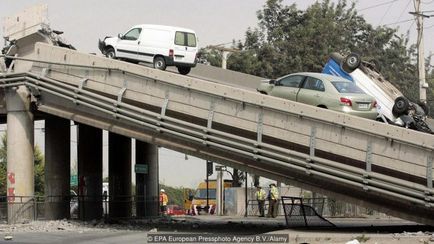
(255, 180)
(238, 177)
(38, 169)
(213, 57)
(290, 40)
(175, 194)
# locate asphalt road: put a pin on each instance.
(387, 230)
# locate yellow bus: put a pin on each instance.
(196, 203)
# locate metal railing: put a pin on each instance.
(301, 212)
(376, 182)
(268, 154)
(28, 208)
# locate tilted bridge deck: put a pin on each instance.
(362, 161)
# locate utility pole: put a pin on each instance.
(420, 50)
(219, 189)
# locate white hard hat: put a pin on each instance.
(162, 190)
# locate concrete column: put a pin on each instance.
(219, 193)
(225, 56)
(57, 167)
(147, 201)
(20, 136)
(89, 172)
(119, 176)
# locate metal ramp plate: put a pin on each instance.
(301, 212)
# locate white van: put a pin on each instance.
(157, 44)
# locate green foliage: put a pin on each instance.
(238, 177)
(362, 238)
(213, 57)
(430, 90)
(175, 194)
(39, 171)
(290, 40)
(39, 168)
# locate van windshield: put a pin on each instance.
(185, 39)
(201, 194)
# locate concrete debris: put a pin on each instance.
(8, 238)
(353, 242)
(411, 234)
(67, 226)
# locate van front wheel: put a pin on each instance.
(110, 53)
(184, 70)
(159, 63)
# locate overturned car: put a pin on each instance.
(393, 107)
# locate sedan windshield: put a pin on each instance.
(346, 87)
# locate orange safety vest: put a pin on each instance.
(164, 199)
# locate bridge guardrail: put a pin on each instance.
(344, 149)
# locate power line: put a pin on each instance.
(403, 11)
(411, 25)
(399, 22)
(377, 5)
(385, 13)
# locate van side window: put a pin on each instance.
(185, 39)
(132, 35)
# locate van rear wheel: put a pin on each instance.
(351, 62)
(400, 107)
(184, 70)
(159, 63)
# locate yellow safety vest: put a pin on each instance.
(260, 195)
(274, 193)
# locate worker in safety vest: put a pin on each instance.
(273, 196)
(260, 197)
(164, 199)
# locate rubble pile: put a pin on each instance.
(67, 225)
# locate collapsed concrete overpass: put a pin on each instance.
(371, 164)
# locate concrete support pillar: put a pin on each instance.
(89, 172)
(20, 136)
(147, 195)
(57, 167)
(119, 176)
(225, 56)
(219, 193)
